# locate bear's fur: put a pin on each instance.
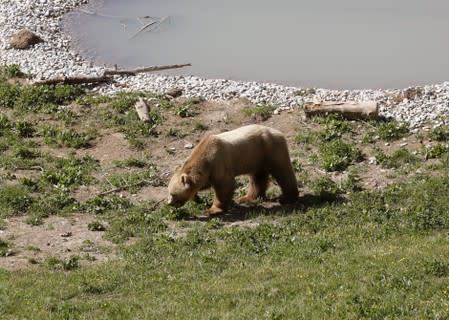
(255, 150)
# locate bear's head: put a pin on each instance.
(180, 189)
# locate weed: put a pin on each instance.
(14, 200)
(325, 188)
(439, 134)
(11, 71)
(39, 98)
(395, 160)
(70, 172)
(5, 248)
(96, 226)
(67, 138)
(133, 162)
(24, 129)
(133, 181)
(99, 205)
(296, 165)
(260, 112)
(305, 137)
(337, 155)
(173, 132)
(438, 151)
(135, 221)
(200, 126)
(185, 110)
(66, 264)
(334, 128)
(392, 130)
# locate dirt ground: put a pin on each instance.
(67, 236)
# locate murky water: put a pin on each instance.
(322, 43)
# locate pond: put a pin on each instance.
(345, 44)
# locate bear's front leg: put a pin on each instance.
(224, 191)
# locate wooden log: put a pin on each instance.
(74, 80)
(349, 110)
(142, 109)
(146, 69)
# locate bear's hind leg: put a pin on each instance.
(282, 171)
(258, 184)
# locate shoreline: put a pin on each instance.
(56, 57)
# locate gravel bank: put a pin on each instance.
(54, 57)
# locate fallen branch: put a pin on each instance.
(74, 80)
(106, 77)
(350, 110)
(146, 69)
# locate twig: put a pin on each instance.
(146, 69)
(154, 206)
(34, 168)
(148, 25)
(120, 188)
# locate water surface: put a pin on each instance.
(321, 43)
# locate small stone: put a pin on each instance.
(66, 234)
(403, 144)
(24, 39)
(188, 146)
(387, 144)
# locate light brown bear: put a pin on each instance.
(255, 150)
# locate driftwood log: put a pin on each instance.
(107, 75)
(349, 110)
(74, 80)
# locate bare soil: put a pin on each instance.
(66, 236)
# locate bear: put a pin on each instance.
(254, 150)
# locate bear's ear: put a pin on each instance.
(186, 180)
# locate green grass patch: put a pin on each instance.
(394, 130)
(396, 159)
(260, 112)
(337, 155)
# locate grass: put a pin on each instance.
(337, 155)
(344, 251)
(261, 112)
(380, 254)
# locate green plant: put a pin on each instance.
(305, 137)
(392, 130)
(337, 155)
(200, 126)
(5, 248)
(11, 71)
(334, 128)
(67, 137)
(438, 151)
(260, 112)
(395, 160)
(96, 226)
(439, 134)
(66, 264)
